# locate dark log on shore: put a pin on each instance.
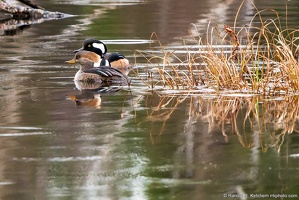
(28, 12)
(32, 5)
(15, 19)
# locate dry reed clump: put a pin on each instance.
(282, 67)
(257, 60)
(265, 62)
(173, 72)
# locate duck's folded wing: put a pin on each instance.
(105, 71)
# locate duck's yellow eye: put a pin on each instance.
(89, 45)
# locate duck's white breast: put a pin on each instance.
(78, 76)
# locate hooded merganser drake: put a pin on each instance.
(114, 59)
(91, 70)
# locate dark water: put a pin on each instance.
(136, 143)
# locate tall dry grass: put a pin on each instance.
(260, 60)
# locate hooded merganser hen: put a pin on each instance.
(115, 59)
(91, 70)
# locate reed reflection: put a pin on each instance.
(246, 116)
(207, 142)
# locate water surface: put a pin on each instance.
(136, 143)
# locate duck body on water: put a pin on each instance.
(92, 71)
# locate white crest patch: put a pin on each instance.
(107, 63)
(100, 46)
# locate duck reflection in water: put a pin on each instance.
(90, 94)
(86, 98)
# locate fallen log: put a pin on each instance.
(32, 5)
(28, 12)
(14, 19)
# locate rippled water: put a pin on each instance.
(135, 143)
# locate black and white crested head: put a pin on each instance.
(95, 46)
(115, 56)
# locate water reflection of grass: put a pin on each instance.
(259, 63)
(270, 119)
(256, 120)
(260, 60)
